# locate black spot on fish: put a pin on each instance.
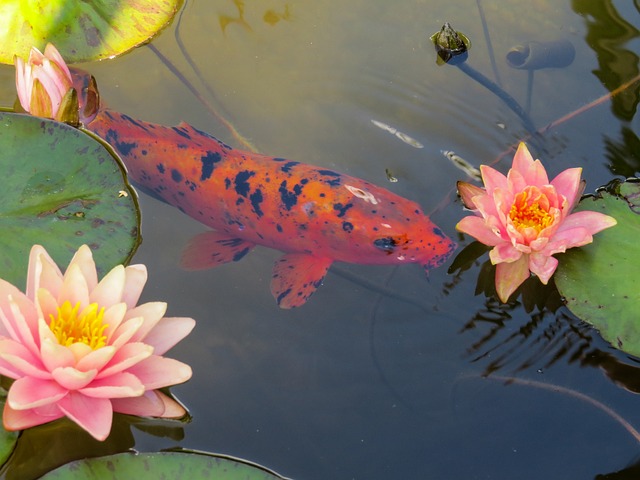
(227, 183)
(342, 209)
(239, 201)
(181, 132)
(256, 200)
(208, 164)
(304, 181)
(279, 227)
(176, 176)
(240, 254)
(160, 167)
(192, 186)
(144, 152)
(347, 227)
(283, 295)
(336, 177)
(289, 199)
(134, 122)
(242, 184)
(124, 148)
(286, 168)
(279, 159)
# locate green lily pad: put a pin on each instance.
(174, 465)
(61, 188)
(7, 439)
(81, 31)
(601, 281)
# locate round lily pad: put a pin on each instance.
(600, 281)
(174, 465)
(61, 188)
(81, 31)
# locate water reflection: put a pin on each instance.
(609, 35)
(547, 334)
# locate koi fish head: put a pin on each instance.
(384, 228)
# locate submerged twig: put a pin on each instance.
(185, 81)
(487, 38)
(575, 394)
(494, 88)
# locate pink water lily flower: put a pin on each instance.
(43, 82)
(527, 219)
(82, 349)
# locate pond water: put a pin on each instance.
(385, 372)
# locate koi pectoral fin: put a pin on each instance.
(296, 276)
(210, 249)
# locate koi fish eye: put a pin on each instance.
(388, 244)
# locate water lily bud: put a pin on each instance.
(43, 84)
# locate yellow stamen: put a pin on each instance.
(88, 327)
(530, 209)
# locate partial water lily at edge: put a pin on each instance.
(83, 348)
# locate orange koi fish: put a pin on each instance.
(315, 215)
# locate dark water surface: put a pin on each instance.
(385, 373)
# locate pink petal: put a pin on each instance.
(53, 54)
(92, 414)
(486, 205)
(492, 179)
(567, 183)
(83, 258)
(172, 409)
(36, 57)
(110, 289)
(119, 385)
(54, 355)
(168, 332)
(151, 404)
(17, 361)
(136, 277)
(28, 392)
(113, 317)
(19, 316)
(478, 229)
(47, 304)
(22, 77)
(73, 379)
(151, 312)
(593, 222)
(467, 191)
(125, 331)
(509, 276)
(42, 273)
(74, 287)
(565, 239)
(124, 358)
(532, 171)
(22, 419)
(504, 252)
(96, 359)
(543, 266)
(157, 372)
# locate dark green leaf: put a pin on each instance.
(62, 188)
(151, 466)
(601, 281)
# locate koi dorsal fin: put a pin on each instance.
(210, 249)
(296, 276)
